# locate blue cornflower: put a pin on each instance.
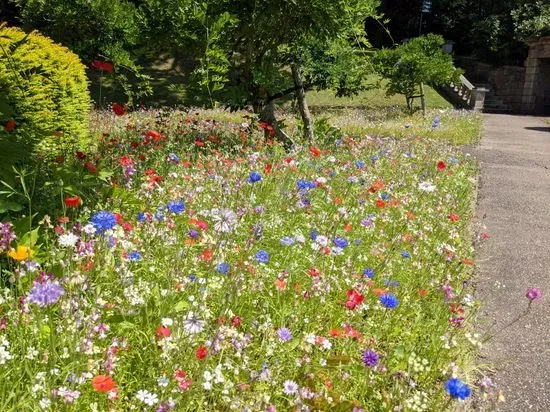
(287, 241)
(302, 184)
(173, 157)
(159, 216)
(313, 234)
(254, 177)
(341, 242)
(457, 388)
(103, 221)
(384, 196)
(405, 254)
(141, 217)
(370, 358)
(47, 293)
(176, 206)
(192, 277)
(360, 164)
(223, 268)
(284, 334)
(262, 256)
(374, 158)
(389, 282)
(389, 300)
(134, 256)
(368, 272)
(193, 234)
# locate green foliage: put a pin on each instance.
(532, 20)
(100, 29)
(421, 60)
(44, 89)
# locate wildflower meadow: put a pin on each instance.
(197, 275)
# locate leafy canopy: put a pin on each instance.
(420, 60)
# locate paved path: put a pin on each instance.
(514, 205)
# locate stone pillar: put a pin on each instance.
(479, 98)
(535, 74)
(528, 104)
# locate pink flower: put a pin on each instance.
(533, 294)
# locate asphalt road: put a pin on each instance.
(514, 205)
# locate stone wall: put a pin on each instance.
(506, 83)
(536, 94)
(519, 89)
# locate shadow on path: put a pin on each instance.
(539, 129)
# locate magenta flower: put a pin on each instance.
(533, 294)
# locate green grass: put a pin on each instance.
(375, 98)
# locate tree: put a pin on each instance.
(108, 30)
(420, 60)
(255, 52)
(532, 20)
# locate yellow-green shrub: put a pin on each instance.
(46, 90)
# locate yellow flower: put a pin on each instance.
(21, 253)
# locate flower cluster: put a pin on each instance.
(248, 278)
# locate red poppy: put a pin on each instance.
(354, 299)
(10, 125)
(125, 161)
(153, 135)
(118, 109)
(267, 168)
(80, 155)
(207, 255)
(315, 152)
(127, 226)
(380, 203)
(236, 321)
(103, 383)
(163, 332)
(201, 353)
(454, 217)
(314, 272)
(102, 65)
(91, 167)
(72, 201)
(441, 165)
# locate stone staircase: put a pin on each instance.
(464, 95)
(494, 103)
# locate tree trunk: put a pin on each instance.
(302, 103)
(267, 115)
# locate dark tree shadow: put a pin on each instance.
(539, 128)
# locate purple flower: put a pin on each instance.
(284, 334)
(533, 294)
(370, 358)
(46, 293)
(290, 387)
(6, 236)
